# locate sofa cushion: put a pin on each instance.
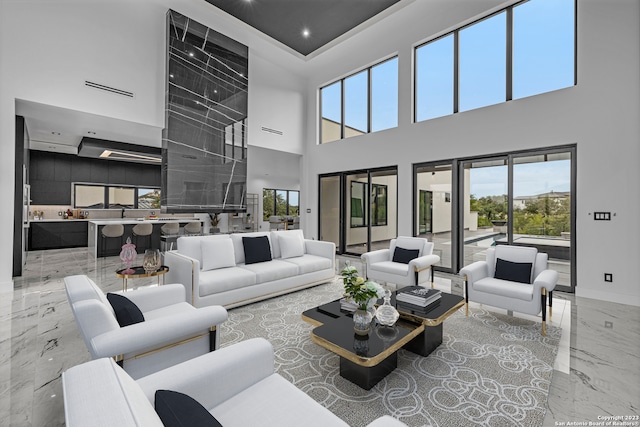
(310, 263)
(217, 253)
(238, 246)
(407, 243)
(224, 279)
(390, 267)
(291, 245)
(127, 313)
(169, 310)
(180, 410)
(275, 244)
(513, 271)
(490, 285)
(274, 402)
(190, 246)
(256, 249)
(404, 255)
(272, 270)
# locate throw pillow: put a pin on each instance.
(180, 410)
(513, 271)
(217, 253)
(291, 244)
(256, 249)
(127, 313)
(404, 255)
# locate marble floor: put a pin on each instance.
(597, 370)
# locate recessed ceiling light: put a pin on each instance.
(306, 32)
(171, 75)
(190, 53)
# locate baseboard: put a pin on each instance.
(608, 296)
(6, 286)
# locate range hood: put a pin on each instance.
(120, 151)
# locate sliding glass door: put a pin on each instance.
(358, 210)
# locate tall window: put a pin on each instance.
(364, 102)
(525, 49)
(280, 203)
(434, 82)
(482, 68)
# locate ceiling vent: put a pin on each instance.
(108, 89)
(269, 130)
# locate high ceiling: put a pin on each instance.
(287, 20)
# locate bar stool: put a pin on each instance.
(170, 232)
(142, 230)
(111, 231)
(193, 229)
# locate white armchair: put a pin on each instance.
(495, 282)
(380, 264)
(172, 331)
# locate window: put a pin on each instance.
(359, 204)
(280, 203)
(115, 197)
(525, 49)
(543, 46)
(378, 204)
(364, 102)
(483, 60)
(384, 95)
(434, 79)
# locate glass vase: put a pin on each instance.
(128, 256)
(151, 260)
(362, 321)
(387, 314)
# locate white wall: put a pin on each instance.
(48, 48)
(600, 115)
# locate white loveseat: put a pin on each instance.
(236, 384)
(214, 271)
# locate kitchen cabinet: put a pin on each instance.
(57, 234)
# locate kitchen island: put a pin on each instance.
(113, 246)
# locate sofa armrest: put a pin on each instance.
(376, 256)
(546, 279)
(386, 421)
(93, 319)
(423, 262)
(157, 297)
(475, 271)
(185, 270)
(157, 333)
(215, 377)
(321, 248)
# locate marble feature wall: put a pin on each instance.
(204, 143)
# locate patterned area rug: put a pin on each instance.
(491, 369)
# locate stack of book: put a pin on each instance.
(417, 295)
(348, 305)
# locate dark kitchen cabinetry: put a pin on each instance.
(57, 235)
(51, 175)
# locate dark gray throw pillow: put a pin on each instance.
(180, 410)
(404, 255)
(513, 271)
(256, 249)
(127, 313)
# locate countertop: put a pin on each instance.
(125, 221)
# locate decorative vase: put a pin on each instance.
(128, 255)
(362, 321)
(361, 345)
(151, 260)
(387, 314)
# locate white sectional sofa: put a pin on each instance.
(214, 270)
(236, 384)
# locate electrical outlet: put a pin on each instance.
(608, 277)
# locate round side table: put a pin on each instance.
(139, 272)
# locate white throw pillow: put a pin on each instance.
(217, 253)
(291, 245)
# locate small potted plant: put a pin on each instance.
(364, 294)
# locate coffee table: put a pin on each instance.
(367, 360)
(139, 272)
